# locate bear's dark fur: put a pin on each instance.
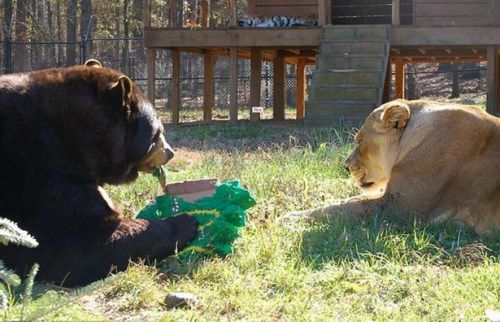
(63, 134)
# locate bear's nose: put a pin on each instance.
(346, 167)
(169, 152)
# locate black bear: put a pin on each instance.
(63, 134)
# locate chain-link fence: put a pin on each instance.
(466, 82)
(437, 80)
(192, 84)
(128, 55)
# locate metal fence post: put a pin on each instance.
(7, 44)
(7, 55)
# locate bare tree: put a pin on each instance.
(71, 11)
(137, 6)
(51, 51)
(125, 46)
(455, 86)
(59, 34)
(7, 27)
(86, 26)
(20, 51)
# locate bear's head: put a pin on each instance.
(107, 123)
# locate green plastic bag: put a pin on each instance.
(220, 216)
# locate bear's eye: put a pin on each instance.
(156, 136)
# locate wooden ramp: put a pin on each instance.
(349, 79)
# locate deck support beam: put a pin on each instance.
(399, 87)
(176, 97)
(233, 84)
(205, 13)
(173, 14)
(300, 100)
(233, 19)
(279, 88)
(208, 86)
(146, 13)
(387, 83)
(151, 67)
(493, 100)
(255, 81)
(396, 9)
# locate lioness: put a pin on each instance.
(433, 161)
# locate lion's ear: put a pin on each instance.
(93, 63)
(396, 115)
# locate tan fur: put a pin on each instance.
(434, 161)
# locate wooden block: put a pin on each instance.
(191, 191)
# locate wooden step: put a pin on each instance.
(379, 33)
(349, 79)
(342, 48)
(342, 92)
(370, 62)
(328, 104)
(354, 77)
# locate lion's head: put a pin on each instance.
(377, 144)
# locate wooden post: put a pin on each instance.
(205, 13)
(396, 20)
(208, 86)
(387, 84)
(173, 13)
(176, 90)
(399, 87)
(233, 84)
(328, 12)
(232, 13)
(323, 12)
(493, 100)
(146, 14)
(279, 87)
(300, 100)
(151, 68)
(255, 81)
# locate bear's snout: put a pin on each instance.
(160, 154)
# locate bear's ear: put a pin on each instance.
(125, 91)
(395, 115)
(93, 63)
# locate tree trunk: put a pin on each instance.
(455, 87)
(7, 28)
(71, 33)
(59, 33)
(21, 51)
(86, 28)
(125, 46)
(51, 50)
(36, 54)
(136, 28)
(410, 85)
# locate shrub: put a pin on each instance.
(10, 233)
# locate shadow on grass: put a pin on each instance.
(380, 239)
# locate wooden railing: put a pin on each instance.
(348, 12)
(396, 12)
(324, 12)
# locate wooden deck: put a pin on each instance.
(418, 31)
(310, 37)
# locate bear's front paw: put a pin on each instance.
(185, 229)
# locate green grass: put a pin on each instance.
(292, 271)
